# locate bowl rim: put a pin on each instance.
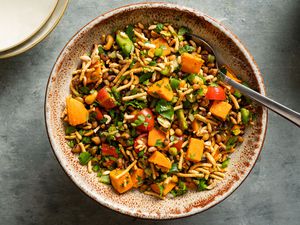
(229, 34)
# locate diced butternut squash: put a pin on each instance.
(195, 150)
(161, 89)
(76, 112)
(160, 160)
(160, 43)
(155, 137)
(93, 77)
(191, 63)
(230, 74)
(195, 125)
(122, 184)
(161, 188)
(220, 109)
(137, 177)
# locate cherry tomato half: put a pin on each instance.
(141, 138)
(108, 150)
(147, 118)
(215, 93)
(99, 115)
(105, 98)
(179, 143)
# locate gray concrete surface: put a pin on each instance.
(35, 190)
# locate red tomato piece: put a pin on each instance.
(99, 115)
(143, 138)
(105, 98)
(108, 150)
(179, 143)
(147, 118)
(215, 93)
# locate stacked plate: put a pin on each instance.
(25, 23)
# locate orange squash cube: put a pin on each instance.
(195, 150)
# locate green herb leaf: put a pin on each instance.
(116, 94)
(165, 109)
(174, 168)
(183, 31)
(100, 49)
(152, 63)
(159, 143)
(84, 90)
(69, 130)
(84, 158)
(182, 189)
(159, 27)
(202, 185)
(231, 142)
(186, 48)
(225, 163)
(139, 121)
(144, 77)
(86, 140)
(136, 104)
(96, 168)
(141, 154)
(129, 31)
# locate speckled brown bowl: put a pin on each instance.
(135, 203)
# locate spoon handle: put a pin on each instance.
(276, 107)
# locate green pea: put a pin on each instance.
(173, 151)
(245, 115)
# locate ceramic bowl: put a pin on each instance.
(135, 203)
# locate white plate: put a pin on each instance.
(41, 34)
(20, 19)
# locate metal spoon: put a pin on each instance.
(276, 107)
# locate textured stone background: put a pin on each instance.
(35, 190)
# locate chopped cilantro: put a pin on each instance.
(231, 142)
(165, 109)
(100, 49)
(139, 121)
(186, 48)
(141, 154)
(159, 27)
(202, 185)
(96, 168)
(225, 163)
(183, 31)
(182, 189)
(152, 63)
(69, 130)
(86, 140)
(116, 94)
(159, 143)
(84, 90)
(129, 31)
(136, 104)
(145, 76)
